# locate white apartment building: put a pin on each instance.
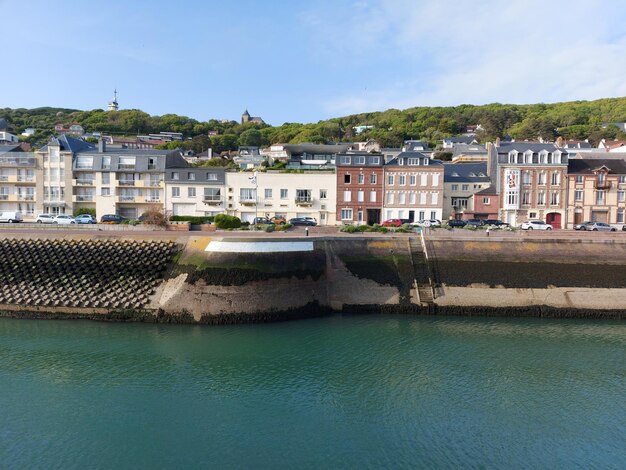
(273, 193)
(195, 191)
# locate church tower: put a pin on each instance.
(245, 117)
(113, 106)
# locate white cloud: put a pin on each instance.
(452, 51)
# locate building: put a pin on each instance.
(450, 142)
(245, 118)
(195, 191)
(314, 156)
(596, 191)
(469, 153)
(73, 129)
(121, 181)
(29, 131)
(274, 193)
(8, 138)
(360, 181)
(113, 105)
(461, 182)
(17, 180)
(413, 187)
(530, 179)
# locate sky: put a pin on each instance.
(305, 61)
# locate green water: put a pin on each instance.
(337, 392)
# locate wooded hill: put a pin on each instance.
(571, 120)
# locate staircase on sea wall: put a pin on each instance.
(423, 279)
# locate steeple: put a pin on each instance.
(113, 105)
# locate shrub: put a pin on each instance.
(193, 220)
(269, 228)
(155, 215)
(382, 230)
(405, 228)
(223, 221)
(348, 228)
(282, 228)
(363, 228)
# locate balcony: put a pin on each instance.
(247, 201)
(602, 184)
(152, 199)
(126, 166)
(126, 198)
(212, 200)
(304, 201)
(83, 182)
(126, 182)
(25, 197)
(82, 198)
(148, 183)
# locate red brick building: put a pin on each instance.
(359, 188)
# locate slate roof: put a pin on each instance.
(460, 139)
(4, 148)
(68, 143)
(464, 149)
(536, 147)
(465, 172)
(583, 166)
(405, 155)
(316, 149)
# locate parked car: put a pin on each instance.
(302, 221)
(10, 217)
(582, 226)
(278, 220)
(395, 222)
(112, 219)
(474, 222)
(535, 225)
(85, 219)
(262, 220)
(597, 226)
(63, 219)
(495, 223)
(456, 223)
(427, 223)
(624, 228)
(44, 219)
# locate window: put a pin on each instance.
(556, 179)
(191, 176)
(346, 214)
(389, 198)
(422, 200)
(554, 198)
(372, 196)
(323, 194)
(620, 196)
(486, 201)
(175, 191)
(413, 161)
(465, 187)
(578, 195)
(106, 177)
(105, 192)
(526, 177)
(422, 215)
(412, 199)
(622, 179)
(375, 160)
(620, 215)
(191, 192)
(579, 179)
(346, 161)
(303, 195)
(346, 178)
(600, 197)
(359, 216)
(434, 198)
(390, 180)
(373, 178)
(541, 198)
(359, 160)
(212, 194)
(126, 163)
(211, 176)
(360, 196)
(106, 163)
(361, 178)
(401, 198)
(247, 194)
(541, 180)
(412, 180)
(347, 196)
(175, 175)
(454, 187)
(435, 179)
(84, 163)
(423, 180)
(268, 193)
(532, 215)
(152, 163)
(284, 194)
(526, 198)
(402, 179)
(433, 214)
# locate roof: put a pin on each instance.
(68, 144)
(403, 156)
(10, 148)
(316, 148)
(411, 145)
(465, 149)
(584, 166)
(535, 147)
(461, 139)
(465, 172)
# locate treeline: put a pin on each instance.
(571, 120)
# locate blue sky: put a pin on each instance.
(303, 61)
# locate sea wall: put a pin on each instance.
(176, 277)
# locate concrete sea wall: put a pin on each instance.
(180, 278)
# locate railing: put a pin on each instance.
(124, 166)
(247, 201)
(602, 185)
(212, 199)
(4, 197)
(127, 198)
(84, 198)
(85, 182)
(25, 197)
(304, 201)
(153, 183)
(126, 182)
(4, 178)
(153, 199)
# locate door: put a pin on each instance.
(578, 217)
(412, 216)
(373, 216)
(554, 219)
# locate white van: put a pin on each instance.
(10, 217)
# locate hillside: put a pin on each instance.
(572, 120)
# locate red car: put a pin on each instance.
(395, 222)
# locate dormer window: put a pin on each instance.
(556, 157)
(414, 161)
(528, 157)
(543, 157)
(455, 174)
(513, 156)
(400, 161)
(472, 174)
(425, 161)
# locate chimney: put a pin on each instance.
(497, 141)
(102, 146)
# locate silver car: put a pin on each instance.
(598, 227)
